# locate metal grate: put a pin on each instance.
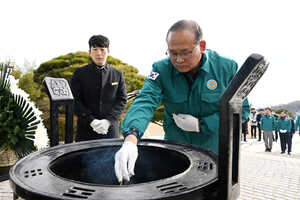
(79, 192)
(171, 187)
(204, 165)
(33, 173)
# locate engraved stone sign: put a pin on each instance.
(58, 88)
(60, 94)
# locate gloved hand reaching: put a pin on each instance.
(187, 122)
(125, 161)
(282, 131)
(100, 126)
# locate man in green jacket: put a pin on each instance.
(268, 125)
(284, 126)
(189, 83)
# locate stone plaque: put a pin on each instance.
(58, 88)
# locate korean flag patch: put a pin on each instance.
(153, 75)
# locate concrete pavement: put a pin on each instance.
(263, 175)
(269, 175)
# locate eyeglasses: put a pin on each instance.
(183, 54)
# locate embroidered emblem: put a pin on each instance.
(153, 75)
(114, 83)
(212, 84)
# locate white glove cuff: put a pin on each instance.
(130, 145)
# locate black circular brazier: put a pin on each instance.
(85, 170)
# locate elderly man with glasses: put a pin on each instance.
(189, 83)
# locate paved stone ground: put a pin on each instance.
(264, 175)
(270, 175)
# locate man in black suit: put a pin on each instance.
(99, 93)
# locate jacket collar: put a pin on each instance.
(99, 68)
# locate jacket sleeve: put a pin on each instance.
(144, 105)
(290, 126)
(79, 109)
(245, 110)
(120, 102)
(297, 124)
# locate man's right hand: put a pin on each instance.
(125, 159)
(97, 127)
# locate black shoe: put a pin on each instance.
(289, 153)
(270, 150)
(282, 152)
(266, 150)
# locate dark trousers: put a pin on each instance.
(276, 136)
(253, 131)
(285, 139)
(245, 137)
(259, 133)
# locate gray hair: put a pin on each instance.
(187, 25)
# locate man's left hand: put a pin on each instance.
(187, 122)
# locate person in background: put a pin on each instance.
(189, 83)
(99, 94)
(245, 129)
(258, 118)
(297, 124)
(275, 136)
(293, 130)
(267, 125)
(284, 127)
(253, 122)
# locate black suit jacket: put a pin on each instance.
(99, 93)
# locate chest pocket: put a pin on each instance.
(175, 103)
(211, 97)
(109, 92)
(210, 102)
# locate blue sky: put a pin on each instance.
(41, 30)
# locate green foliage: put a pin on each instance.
(16, 73)
(58, 66)
(159, 114)
(133, 80)
(290, 114)
(17, 118)
(27, 84)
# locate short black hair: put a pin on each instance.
(268, 108)
(99, 41)
(189, 25)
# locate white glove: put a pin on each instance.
(100, 126)
(125, 161)
(187, 122)
(283, 131)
